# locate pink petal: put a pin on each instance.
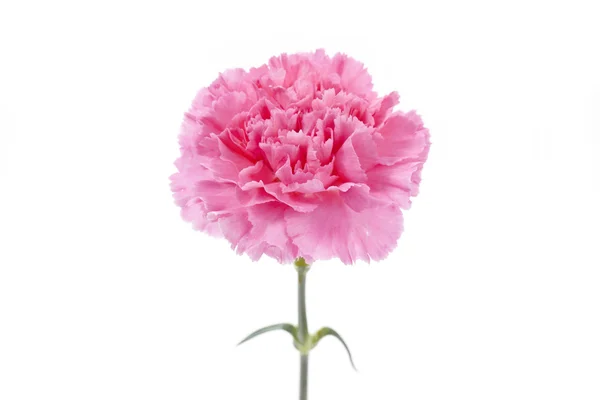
(359, 198)
(347, 164)
(287, 176)
(344, 128)
(232, 153)
(235, 226)
(256, 172)
(252, 196)
(268, 233)
(383, 107)
(365, 148)
(276, 154)
(402, 137)
(335, 230)
(397, 182)
(223, 110)
(354, 77)
(298, 201)
(217, 196)
(308, 187)
(194, 211)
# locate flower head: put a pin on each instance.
(299, 158)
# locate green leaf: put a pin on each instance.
(291, 329)
(321, 333)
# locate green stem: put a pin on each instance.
(302, 324)
(303, 377)
(303, 335)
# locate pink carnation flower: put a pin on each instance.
(299, 158)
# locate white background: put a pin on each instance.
(493, 292)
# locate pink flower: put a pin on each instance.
(299, 158)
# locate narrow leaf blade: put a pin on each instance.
(330, 332)
(291, 329)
